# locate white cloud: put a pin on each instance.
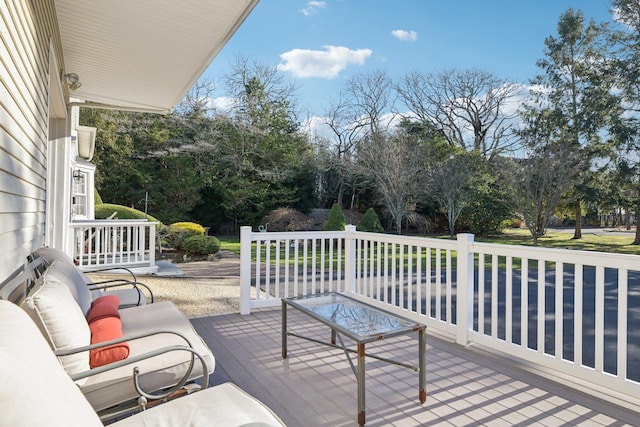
(325, 64)
(222, 103)
(409, 36)
(316, 126)
(313, 6)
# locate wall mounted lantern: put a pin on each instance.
(86, 141)
(72, 80)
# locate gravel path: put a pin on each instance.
(208, 287)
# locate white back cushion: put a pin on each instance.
(60, 320)
(62, 267)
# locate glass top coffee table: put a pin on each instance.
(361, 322)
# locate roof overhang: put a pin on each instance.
(143, 55)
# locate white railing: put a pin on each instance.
(114, 243)
(573, 313)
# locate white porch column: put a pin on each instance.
(245, 270)
(464, 289)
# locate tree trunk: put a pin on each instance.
(340, 191)
(452, 223)
(636, 241)
(627, 218)
(578, 232)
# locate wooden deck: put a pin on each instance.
(315, 385)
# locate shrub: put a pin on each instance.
(487, 214)
(336, 220)
(514, 223)
(287, 219)
(105, 210)
(178, 232)
(190, 227)
(370, 222)
(201, 245)
(97, 200)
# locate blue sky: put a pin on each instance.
(320, 44)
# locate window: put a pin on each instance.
(79, 193)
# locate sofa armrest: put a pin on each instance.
(136, 358)
(102, 270)
(118, 283)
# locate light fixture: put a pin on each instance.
(86, 141)
(73, 81)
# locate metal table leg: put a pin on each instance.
(422, 369)
(361, 407)
(284, 330)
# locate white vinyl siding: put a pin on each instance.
(25, 34)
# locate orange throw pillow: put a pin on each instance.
(105, 325)
(106, 329)
(104, 306)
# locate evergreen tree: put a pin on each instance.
(574, 94)
(370, 222)
(336, 220)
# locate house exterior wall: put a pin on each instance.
(31, 115)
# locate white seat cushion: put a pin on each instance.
(129, 297)
(223, 405)
(115, 386)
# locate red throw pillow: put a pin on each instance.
(104, 306)
(106, 329)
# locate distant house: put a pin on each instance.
(141, 55)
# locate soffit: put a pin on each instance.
(143, 54)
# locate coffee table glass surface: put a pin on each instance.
(363, 323)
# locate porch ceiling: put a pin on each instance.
(143, 54)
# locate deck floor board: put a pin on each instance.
(315, 386)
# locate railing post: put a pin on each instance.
(350, 258)
(245, 270)
(152, 243)
(464, 289)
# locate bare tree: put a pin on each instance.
(538, 183)
(393, 164)
(262, 93)
(452, 184)
(346, 131)
(370, 100)
(197, 101)
(474, 110)
(363, 112)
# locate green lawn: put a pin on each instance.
(604, 242)
(231, 244)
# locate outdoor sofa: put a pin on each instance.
(116, 356)
(36, 391)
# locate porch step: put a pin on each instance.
(166, 268)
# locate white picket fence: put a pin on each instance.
(572, 315)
